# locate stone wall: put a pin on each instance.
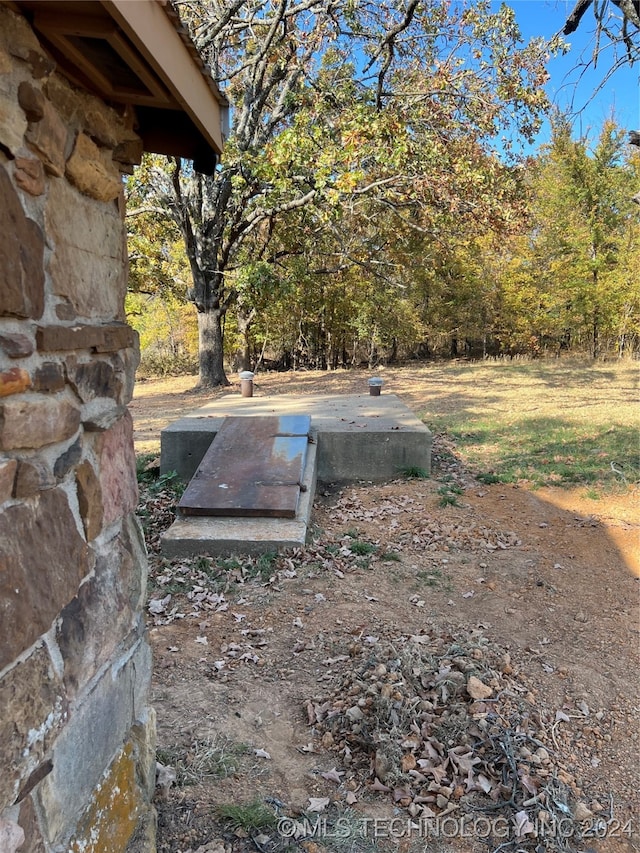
(76, 730)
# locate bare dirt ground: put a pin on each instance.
(448, 665)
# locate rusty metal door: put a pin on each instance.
(253, 468)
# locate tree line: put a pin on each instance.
(370, 205)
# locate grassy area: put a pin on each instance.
(564, 421)
(547, 423)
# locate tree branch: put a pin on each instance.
(138, 211)
(573, 21)
(630, 9)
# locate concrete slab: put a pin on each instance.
(197, 535)
(359, 437)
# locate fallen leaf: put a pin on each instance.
(159, 605)
(262, 753)
(333, 775)
(408, 762)
(401, 794)
(318, 804)
(484, 783)
(529, 784)
(165, 776)
(523, 825)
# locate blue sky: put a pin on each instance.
(567, 88)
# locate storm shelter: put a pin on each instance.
(253, 464)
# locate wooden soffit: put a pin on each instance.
(137, 53)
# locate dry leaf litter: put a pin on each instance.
(439, 723)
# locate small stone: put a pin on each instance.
(14, 381)
(582, 812)
(32, 101)
(29, 175)
(17, 345)
(327, 740)
(91, 172)
(478, 689)
(36, 422)
(581, 617)
(11, 836)
(354, 714)
(32, 477)
(7, 477)
(40, 65)
(21, 252)
(49, 378)
(68, 460)
(48, 138)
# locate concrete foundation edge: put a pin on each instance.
(198, 535)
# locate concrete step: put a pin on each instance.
(198, 535)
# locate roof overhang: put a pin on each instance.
(136, 52)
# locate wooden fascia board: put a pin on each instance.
(149, 28)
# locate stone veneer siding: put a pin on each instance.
(76, 729)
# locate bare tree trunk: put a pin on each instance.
(595, 324)
(211, 348)
(595, 334)
(245, 320)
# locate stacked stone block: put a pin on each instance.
(76, 730)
